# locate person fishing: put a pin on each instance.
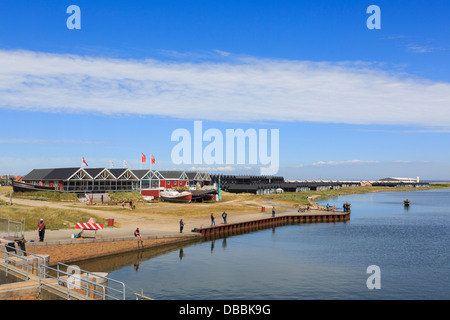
(224, 216)
(41, 230)
(138, 236)
(181, 226)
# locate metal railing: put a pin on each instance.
(9, 226)
(115, 289)
(73, 282)
(27, 262)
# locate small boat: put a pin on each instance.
(19, 186)
(203, 195)
(406, 202)
(175, 196)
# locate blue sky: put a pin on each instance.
(349, 102)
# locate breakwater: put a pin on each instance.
(274, 221)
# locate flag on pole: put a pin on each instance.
(142, 157)
(153, 159)
(84, 162)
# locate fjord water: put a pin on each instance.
(313, 261)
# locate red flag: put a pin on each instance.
(84, 161)
(142, 157)
(153, 159)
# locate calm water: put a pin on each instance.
(309, 261)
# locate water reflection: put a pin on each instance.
(134, 258)
(139, 258)
(181, 254)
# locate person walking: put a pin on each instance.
(181, 226)
(224, 216)
(41, 230)
(273, 211)
(212, 220)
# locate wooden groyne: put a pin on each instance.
(274, 221)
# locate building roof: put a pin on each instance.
(61, 173)
(50, 174)
(140, 173)
(93, 172)
(117, 172)
(173, 174)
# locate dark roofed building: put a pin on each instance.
(36, 174)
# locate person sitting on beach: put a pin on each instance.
(138, 236)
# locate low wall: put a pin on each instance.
(93, 248)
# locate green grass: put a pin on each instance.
(54, 218)
(46, 196)
(125, 196)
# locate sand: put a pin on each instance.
(158, 225)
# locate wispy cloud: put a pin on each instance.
(419, 49)
(346, 162)
(232, 89)
(221, 169)
(47, 141)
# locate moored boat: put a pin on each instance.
(27, 187)
(175, 196)
(203, 195)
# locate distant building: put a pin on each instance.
(400, 182)
(406, 180)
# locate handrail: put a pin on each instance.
(68, 283)
(63, 278)
(122, 292)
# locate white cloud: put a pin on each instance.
(234, 89)
(346, 162)
(419, 49)
(47, 141)
(210, 169)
